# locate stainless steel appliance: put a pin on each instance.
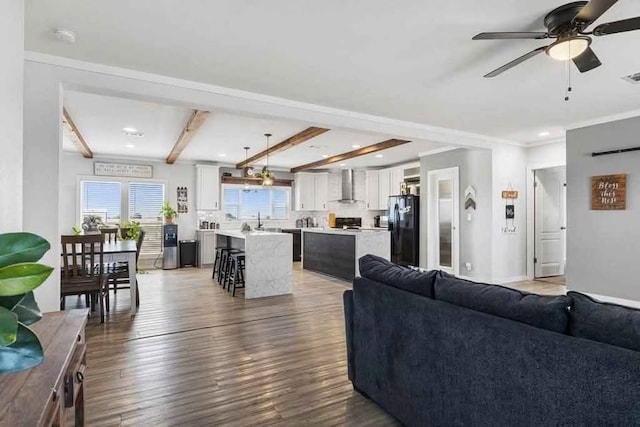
(404, 225)
(384, 221)
(170, 246)
(348, 222)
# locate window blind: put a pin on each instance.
(145, 202)
(101, 198)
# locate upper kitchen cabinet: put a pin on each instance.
(396, 177)
(372, 184)
(311, 191)
(384, 183)
(207, 187)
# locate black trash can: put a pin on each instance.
(188, 253)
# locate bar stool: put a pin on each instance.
(224, 271)
(236, 276)
(218, 262)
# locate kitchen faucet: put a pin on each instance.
(259, 223)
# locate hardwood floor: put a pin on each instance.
(196, 356)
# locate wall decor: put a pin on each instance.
(470, 201)
(609, 192)
(183, 200)
(122, 170)
(509, 195)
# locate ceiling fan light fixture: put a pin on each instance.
(568, 48)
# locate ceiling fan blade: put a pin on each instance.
(587, 61)
(623, 26)
(593, 10)
(515, 62)
(510, 36)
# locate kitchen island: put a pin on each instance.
(336, 252)
(268, 266)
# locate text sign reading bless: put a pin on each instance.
(609, 192)
(123, 170)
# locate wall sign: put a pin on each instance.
(609, 192)
(510, 194)
(123, 170)
(183, 200)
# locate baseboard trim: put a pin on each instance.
(504, 280)
(614, 300)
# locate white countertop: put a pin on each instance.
(240, 235)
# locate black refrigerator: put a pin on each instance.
(404, 225)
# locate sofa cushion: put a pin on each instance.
(604, 322)
(380, 270)
(546, 312)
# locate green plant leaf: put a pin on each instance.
(21, 247)
(8, 327)
(24, 306)
(26, 352)
(19, 279)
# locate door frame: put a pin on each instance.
(531, 238)
(432, 228)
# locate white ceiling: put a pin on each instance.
(101, 119)
(413, 61)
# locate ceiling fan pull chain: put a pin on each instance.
(568, 73)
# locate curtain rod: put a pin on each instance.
(622, 150)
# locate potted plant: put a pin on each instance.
(20, 274)
(91, 224)
(130, 230)
(168, 212)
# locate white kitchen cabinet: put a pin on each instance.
(321, 194)
(311, 191)
(207, 247)
(384, 183)
(396, 177)
(372, 199)
(207, 187)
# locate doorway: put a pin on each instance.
(442, 219)
(550, 229)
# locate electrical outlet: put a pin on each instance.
(467, 265)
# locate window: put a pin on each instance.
(101, 198)
(117, 201)
(241, 203)
(145, 202)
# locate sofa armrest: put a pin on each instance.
(347, 298)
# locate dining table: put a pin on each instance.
(124, 251)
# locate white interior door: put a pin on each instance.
(442, 219)
(550, 225)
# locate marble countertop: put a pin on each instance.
(344, 232)
(240, 235)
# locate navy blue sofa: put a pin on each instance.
(435, 350)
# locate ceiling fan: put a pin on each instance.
(568, 25)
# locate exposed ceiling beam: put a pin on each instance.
(193, 124)
(80, 143)
(290, 142)
(384, 145)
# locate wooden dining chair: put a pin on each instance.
(82, 270)
(118, 274)
(110, 234)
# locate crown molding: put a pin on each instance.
(436, 151)
(606, 119)
(342, 118)
(546, 142)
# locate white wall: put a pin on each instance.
(547, 155)
(603, 249)
(176, 175)
(509, 165)
(475, 235)
(11, 101)
(42, 142)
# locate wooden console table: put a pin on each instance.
(42, 395)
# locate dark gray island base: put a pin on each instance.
(332, 254)
(336, 252)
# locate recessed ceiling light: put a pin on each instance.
(64, 35)
(356, 146)
(130, 146)
(222, 155)
(129, 130)
(343, 164)
(544, 133)
(379, 156)
(324, 156)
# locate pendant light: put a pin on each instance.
(246, 170)
(266, 175)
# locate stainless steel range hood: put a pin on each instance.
(347, 187)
